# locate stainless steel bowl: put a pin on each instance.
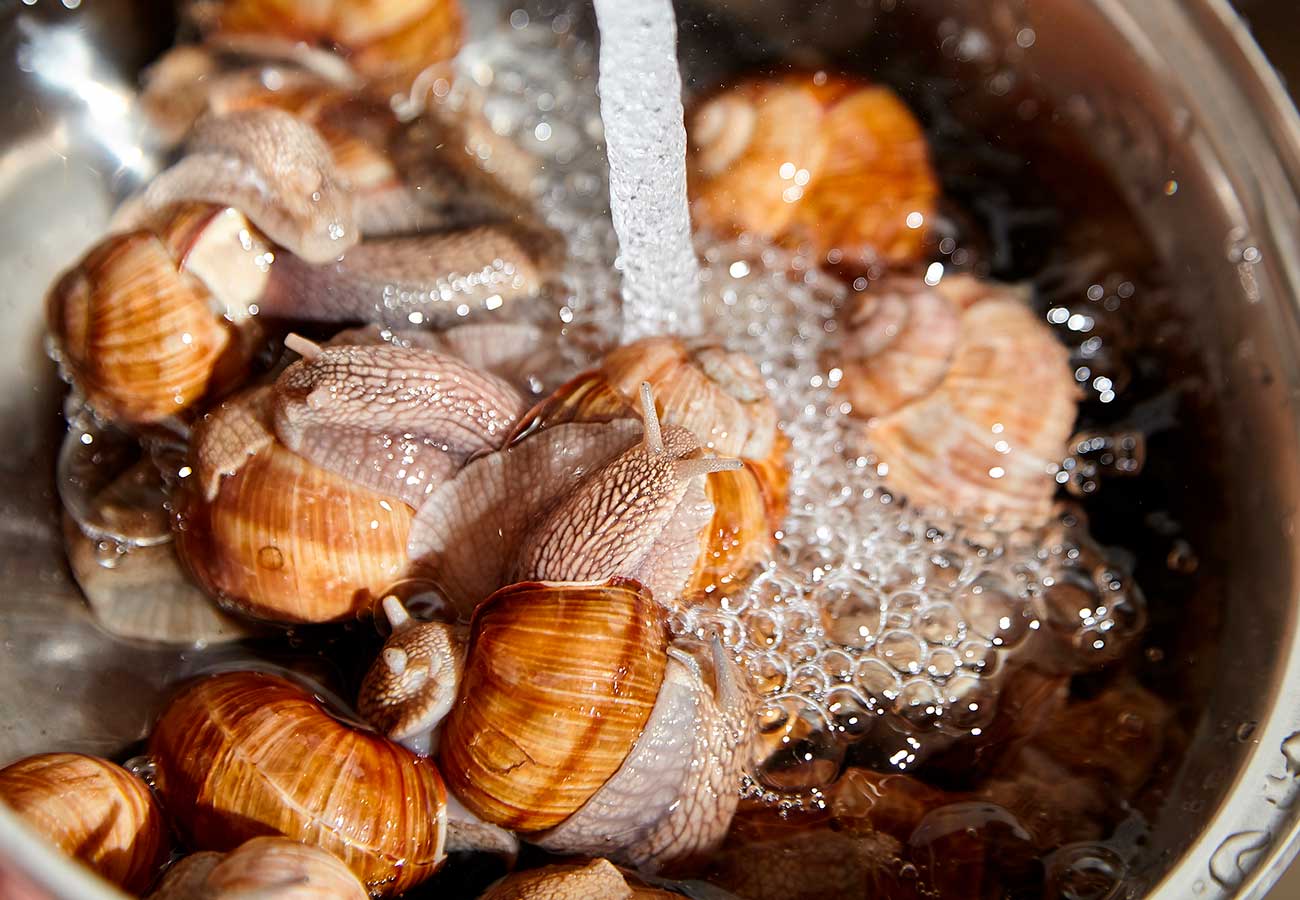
(1185, 112)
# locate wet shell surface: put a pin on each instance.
(559, 682)
(717, 395)
(246, 754)
(92, 810)
(835, 165)
(264, 866)
(983, 440)
(135, 333)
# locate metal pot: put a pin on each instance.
(1188, 117)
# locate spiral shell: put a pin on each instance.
(288, 869)
(247, 754)
(92, 810)
(829, 163)
(717, 395)
(389, 41)
(982, 440)
(280, 538)
(136, 331)
(559, 681)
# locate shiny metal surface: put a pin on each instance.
(1173, 90)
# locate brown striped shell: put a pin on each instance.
(984, 438)
(140, 332)
(94, 811)
(830, 163)
(387, 41)
(263, 866)
(559, 681)
(275, 537)
(246, 754)
(717, 395)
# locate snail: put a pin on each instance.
(244, 754)
(578, 725)
(272, 166)
(93, 810)
(413, 683)
(351, 409)
(273, 536)
(573, 502)
(390, 44)
(718, 395)
(155, 320)
(826, 162)
(968, 397)
(262, 866)
(596, 880)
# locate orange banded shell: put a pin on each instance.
(379, 39)
(246, 754)
(288, 541)
(135, 331)
(559, 681)
(827, 163)
(92, 810)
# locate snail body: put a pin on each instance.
(244, 754)
(262, 865)
(273, 536)
(92, 810)
(596, 880)
(969, 398)
(573, 502)
(825, 162)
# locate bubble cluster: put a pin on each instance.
(874, 621)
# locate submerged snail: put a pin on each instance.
(574, 502)
(579, 726)
(92, 810)
(719, 396)
(247, 754)
(388, 43)
(969, 399)
(263, 866)
(827, 162)
(152, 321)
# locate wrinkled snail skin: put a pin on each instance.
(596, 880)
(245, 754)
(572, 502)
(273, 167)
(437, 278)
(94, 811)
(413, 683)
(970, 397)
(560, 680)
(264, 866)
(273, 536)
(675, 794)
(393, 419)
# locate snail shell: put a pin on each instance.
(389, 42)
(246, 754)
(983, 439)
(92, 810)
(831, 164)
(137, 326)
(268, 866)
(278, 537)
(559, 682)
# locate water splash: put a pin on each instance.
(641, 106)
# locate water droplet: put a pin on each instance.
(1234, 858)
(270, 558)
